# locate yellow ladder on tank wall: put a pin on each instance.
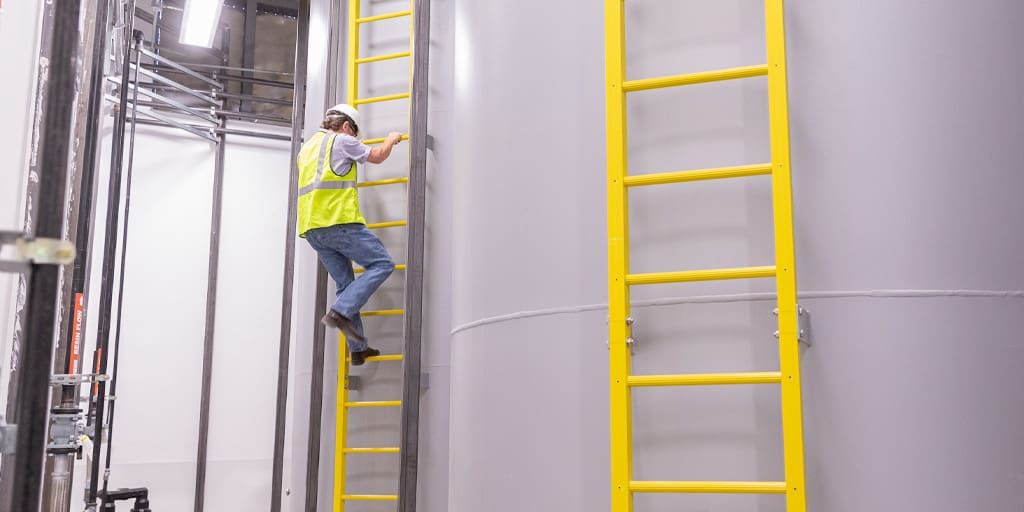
(620, 279)
(344, 405)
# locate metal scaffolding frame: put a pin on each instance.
(43, 254)
(160, 105)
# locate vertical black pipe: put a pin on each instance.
(124, 258)
(37, 353)
(411, 379)
(109, 252)
(211, 302)
(284, 351)
(89, 150)
(31, 200)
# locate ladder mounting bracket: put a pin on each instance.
(803, 325)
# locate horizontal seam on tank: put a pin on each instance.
(748, 297)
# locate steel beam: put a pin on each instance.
(417, 215)
(284, 349)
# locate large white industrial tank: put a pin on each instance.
(906, 122)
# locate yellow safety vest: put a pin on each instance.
(325, 198)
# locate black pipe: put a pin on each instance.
(109, 253)
(120, 280)
(41, 308)
(31, 198)
(284, 350)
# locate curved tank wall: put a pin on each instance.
(905, 127)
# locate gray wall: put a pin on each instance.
(906, 171)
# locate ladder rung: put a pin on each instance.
(359, 270)
(701, 275)
(703, 174)
(389, 357)
(378, 99)
(710, 487)
(369, 497)
(385, 403)
(384, 312)
(379, 140)
(379, 58)
(392, 224)
(370, 450)
(371, 19)
(695, 78)
(705, 379)
(378, 183)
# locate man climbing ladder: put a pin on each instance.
(330, 220)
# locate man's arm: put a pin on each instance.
(381, 153)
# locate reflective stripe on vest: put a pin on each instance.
(318, 181)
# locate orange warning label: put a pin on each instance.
(76, 337)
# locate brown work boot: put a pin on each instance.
(358, 358)
(338, 321)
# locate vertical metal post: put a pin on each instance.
(785, 258)
(415, 264)
(284, 351)
(60, 461)
(316, 399)
(37, 353)
(109, 252)
(618, 259)
(31, 200)
(211, 304)
(319, 332)
(249, 50)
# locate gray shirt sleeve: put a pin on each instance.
(347, 149)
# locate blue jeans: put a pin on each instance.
(340, 245)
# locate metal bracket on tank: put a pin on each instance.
(630, 340)
(803, 325)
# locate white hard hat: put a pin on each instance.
(348, 110)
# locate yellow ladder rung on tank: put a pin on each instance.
(370, 450)
(369, 497)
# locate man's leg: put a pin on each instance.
(366, 249)
(339, 267)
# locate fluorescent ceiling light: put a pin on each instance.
(199, 24)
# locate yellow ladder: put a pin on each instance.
(620, 279)
(344, 405)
